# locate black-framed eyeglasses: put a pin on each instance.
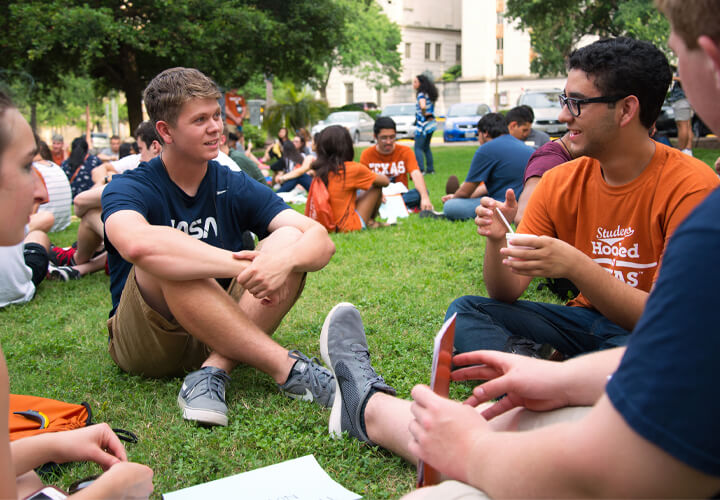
(573, 103)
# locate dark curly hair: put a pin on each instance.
(625, 66)
(427, 87)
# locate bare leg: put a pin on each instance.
(90, 235)
(39, 237)
(684, 134)
(41, 221)
(368, 203)
(387, 419)
(236, 332)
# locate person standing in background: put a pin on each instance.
(426, 95)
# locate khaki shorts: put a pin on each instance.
(528, 420)
(143, 342)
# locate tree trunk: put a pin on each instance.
(133, 87)
(133, 94)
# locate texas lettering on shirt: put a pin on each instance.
(611, 248)
(390, 169)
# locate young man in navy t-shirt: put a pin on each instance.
(186, 293)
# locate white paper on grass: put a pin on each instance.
(394, 206)
(298, 479)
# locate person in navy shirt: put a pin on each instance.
(189, 292)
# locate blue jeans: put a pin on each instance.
(484, 323)
(422, 149)
(460, 208)
(304, 180)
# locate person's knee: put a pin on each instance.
(457, 210)
(38, 236)
(464, 304)
(41, 221)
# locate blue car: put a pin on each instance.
(461, 121)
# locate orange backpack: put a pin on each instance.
(318, 205)
(30, 415)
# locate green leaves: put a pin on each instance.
(556, 26)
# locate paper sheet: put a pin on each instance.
(298, 479)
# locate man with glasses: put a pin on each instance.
(601, 221)
(604, 425)
(396, 162)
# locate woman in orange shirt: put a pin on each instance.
(344, 177)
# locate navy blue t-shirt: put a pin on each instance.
(666, 387)
(500, 164)
(226, 204)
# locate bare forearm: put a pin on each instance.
(585, 376)
(33, 451)
(537, 463)
(419, 181)
(465, 190)
(171, 254)
(617, 301)
(312, 251)
(501, 283)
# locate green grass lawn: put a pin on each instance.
(401, 279)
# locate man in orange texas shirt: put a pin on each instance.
(396, 162)
(603, 220)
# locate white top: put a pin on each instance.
(59, 194)
(224, 159)
(128, 162)
(16, 286)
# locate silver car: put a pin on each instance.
(403, 115)
(546, 106)
(358, 123)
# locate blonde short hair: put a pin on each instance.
(168, 91)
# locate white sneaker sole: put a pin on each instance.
(207, 417)
(335, 421)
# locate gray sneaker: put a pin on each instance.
(344, 349)
(202, 396)
(309, 381)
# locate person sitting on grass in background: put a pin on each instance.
(245, 163)
(343, 178)
(621, 435)
(396, 162)
(497, 166)
(601, 221)
(293, 158)
(58, 187)
(549, 155)
(87, 255)
(519, 121)
(274, 151)
(79, 165)
(19, 190)
(185, 295)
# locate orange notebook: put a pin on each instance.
(440, 384)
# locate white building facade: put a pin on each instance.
(439, 34)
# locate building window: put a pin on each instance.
(407, 51)
(458, 53)
(438, 51)
(499, 43)
(499, 69)
(427, 51)
(349, 93)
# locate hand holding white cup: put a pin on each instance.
(510, 237)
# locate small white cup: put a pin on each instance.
(511, 236)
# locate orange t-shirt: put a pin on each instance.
(397, 165)
(342, 191)
(622, 228)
